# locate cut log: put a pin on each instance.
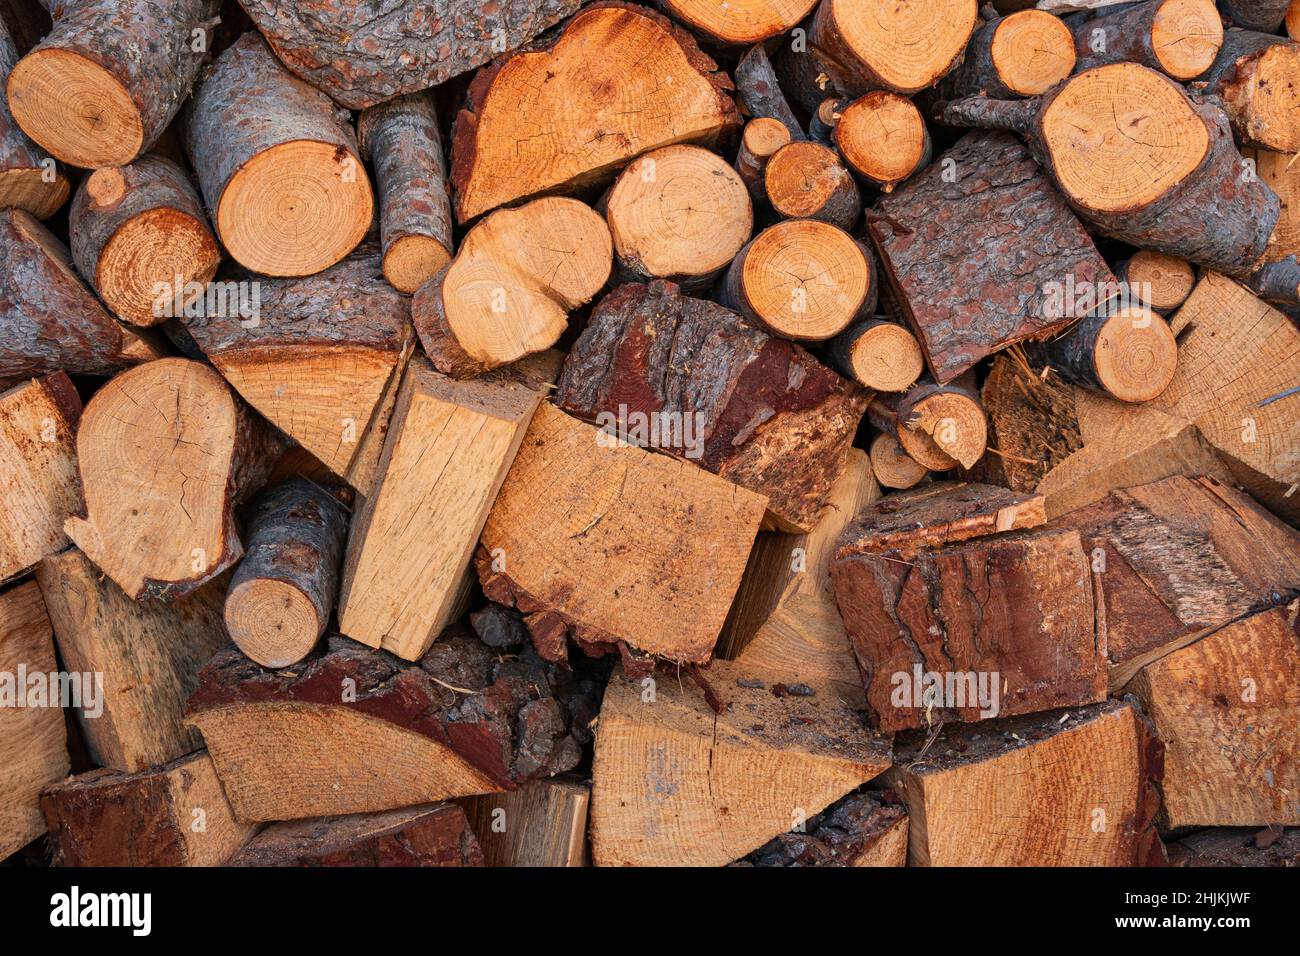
(1293, 20)
(278, 165)
(1072, 788)
(1127, 352)
(354, 730)
(541, 824)
(448, 449)
(567, 89)
(882, 137)
(805, 180)
(878, 354)
(174, 815)
(738, 22)
(1180, 38)
(1025, 53)
(672, 781)
(982, 252)
(33, 736)
(613, 544)
(361, 55)
(1265, 15)
(49, 320)
(1226, 709)
(939, 426)
(1278, 282)
(165, 451)
(509, 291)
(1162, 282)
(661, 370)
(38, 470)
(30, 179)
(147, 652)
(1032, 424)
(1174, 187)
(759, 91)
(141, 239)
(402, 141)
(313, 355)
(860, 830)
(678, 213)
(803, 280)
(282, 595)
(1228, 846)
(758, 144)
(431, 835)
(1257, 76)
(111, 75)
(892, 466)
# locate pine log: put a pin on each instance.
(1265, 15)
(141, 239)
(1025, 53)
(541, 824)
(38, 470)
(1141, 162)
(806, 180)
(401, 139)
(1228, 846)
(679, 213)
(509, 291)
(30, 179)
(803, 280)
(1257, 77)
(1226, 708)
(314, 355)
(612, 543)
(893, 467)
(174, 815)
(362, 55)
(882, 137)
(1282, 176)
(758, 144)
(758, 411)
(1032, 424)
(282, 594)
(165, 451)
(33, 736)
(879, 355)
(1180, 38)
(939, 426)
(147, 652)
(1127, 352)
(278, 165)
(738, 22)
(1070, 788)
(110, 76)
(567, 90)
(1162, 282)
(49, 320)
(1277, 282)
(759, 92)
(1293, 20)
(980, 251)
(861, 830)
(673, 781)
(430, 835)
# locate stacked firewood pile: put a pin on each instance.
(854, 433)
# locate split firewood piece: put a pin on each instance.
(806, 180)
(855, 47)
(612, 543)
(673, 781)
(1257, 76)
(680, 97)
(109, 78)
(1025, 53)
(448, 449)
(882, 137)
(738, 22)
(759, 92)
(1065, 788)
(541, 824)
(878, 354)
(1127, 353)
(1178, 557)
(1226, 708)
(278, 164)
(165, 451)
(678, 213)
(33, 736)
(355, 730)
(758, 144)
(784, 616)
(863, 829)
(940, 427)
(1032, 424)
(148, 653)
(431, 835)
(1293, 20)
(30, 179)
(1238, 847)
(1180, 38)
(401, 139)
(282, 594)
(314, 355)
(1283, 177)
(685, 376)
(984, 261)
(363, 472)
(38, 469)
(508, 293)
(49, 320)
(173, 815)
(1265, 15)
(1278, 282)
(803, 280)
(361, 58)
(1175, 186)
(893, 467)
(141, 239)
(1160, 281)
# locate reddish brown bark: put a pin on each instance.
(759, 92)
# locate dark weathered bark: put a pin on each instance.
(29, 177)
(847, 833)
(363, 54)
(1278, 282)
(760, 94)
(1127, 36)
(1265, 15)
(1257, 78)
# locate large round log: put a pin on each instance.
(1023, 54)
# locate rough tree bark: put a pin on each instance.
(1180, 38)
(30, 179)
(759, 92)
(1265, 15)
(1127, 353)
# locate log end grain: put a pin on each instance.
(1032, 51)
(882, 137)
(1186, 36)
(805, 180)
(893, 467)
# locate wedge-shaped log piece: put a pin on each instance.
(1283, 177)
(29, 177)
(541, 824)
(860, 830)
(673, 781)
(174, 815)
(572, 100)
